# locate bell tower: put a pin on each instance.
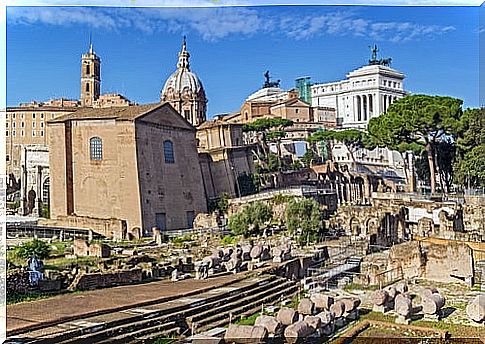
(90, 77)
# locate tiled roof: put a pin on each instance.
(119, 113)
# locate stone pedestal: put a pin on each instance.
(402, 320)
(277, 260)
(380, 309)
(251, 265)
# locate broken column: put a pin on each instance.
(321, 301)
(327, 326)
(306, 307)
(351, 305)
(287, 316)
(270, 323)
(297, 331)
(245, 334)
(432, 302)
(476, 309)
(379, 301)
(403, 307)
(338, 310)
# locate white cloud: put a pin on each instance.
(218, 22)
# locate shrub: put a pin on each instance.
(228, 240)
(36, 247)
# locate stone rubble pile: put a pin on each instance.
(316, 316)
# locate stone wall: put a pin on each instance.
(447, 263)
(106, 279)
(407, 257)
(110, 228)
(474, 214)
(204, 220)
(18, 282)
(82, 248)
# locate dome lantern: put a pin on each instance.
(184, 90)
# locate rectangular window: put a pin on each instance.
(33, 132)
(22, 124)
(13, 116)
(42, 124)
(6, 134)
(8, 157)
(33, 115)
(33, 124)
(52, 115)
(13, 133)
(42, 133)
(22, 133)
(6, 124)
(13, 124)
(41, 115)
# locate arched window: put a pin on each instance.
(88, 69)
(168, 152)
(96, 148)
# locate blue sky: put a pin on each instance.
(231, 47)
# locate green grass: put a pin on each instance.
(63, 263)
(455, 330)
(355, 286)
(164, 341)
(247, 320)
(228, 240)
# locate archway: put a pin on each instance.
(31, 196)
(354, 225)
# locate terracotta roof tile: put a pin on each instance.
(118, 113)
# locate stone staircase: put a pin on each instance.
(214, 314)
(207, 310)
(243, 306)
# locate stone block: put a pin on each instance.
(402, 320)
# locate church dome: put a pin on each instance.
(183, 80)
(184, 91)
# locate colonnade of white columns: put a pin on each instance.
(364, 107)
(387, 100)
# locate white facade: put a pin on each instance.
(367, 92)
(35, 181)
(269, 94)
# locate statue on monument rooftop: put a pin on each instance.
(374, 61)
(268, 83)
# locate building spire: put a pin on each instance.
(184, 55)
(90, 44)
